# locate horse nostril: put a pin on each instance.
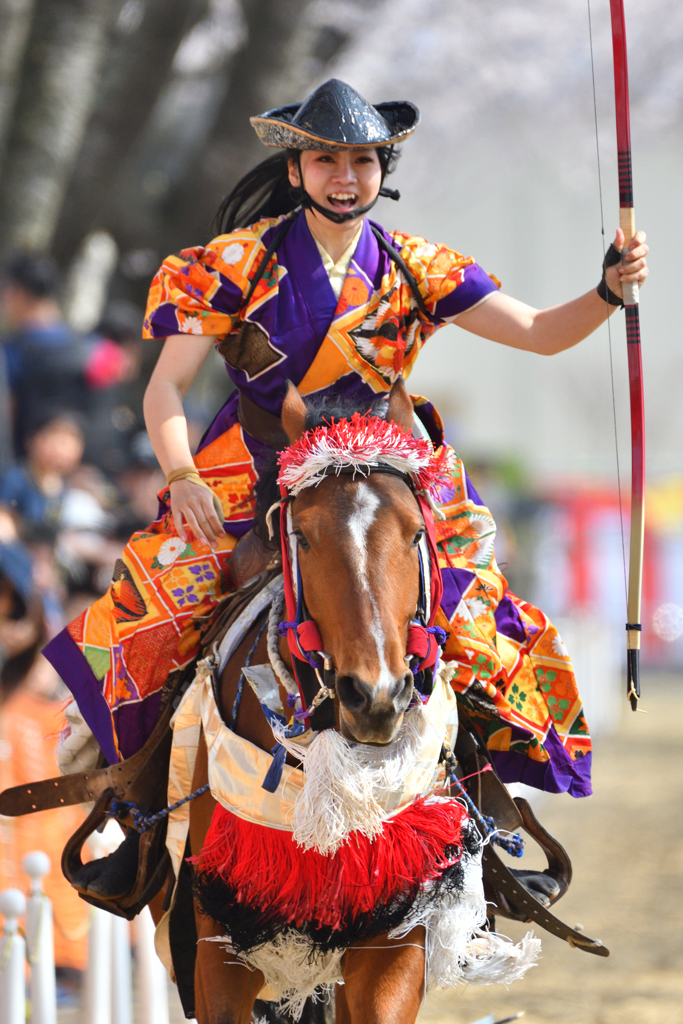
(403, 688)
(350, 693)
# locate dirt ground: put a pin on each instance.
(626, 845)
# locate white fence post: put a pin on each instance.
(96, 1007)
(12, 958)
(151, 973)
(121, 973)
(107, 996)
(40, 940)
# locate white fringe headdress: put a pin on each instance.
(362, 443)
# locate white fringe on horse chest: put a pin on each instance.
(293, 969)
(458, 950)
(347, 785)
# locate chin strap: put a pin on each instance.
(309, 203)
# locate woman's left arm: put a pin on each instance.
(548, 331)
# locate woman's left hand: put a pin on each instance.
(634, 268)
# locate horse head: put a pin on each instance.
(357, 536)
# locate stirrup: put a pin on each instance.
(510, 898)
(154, 863)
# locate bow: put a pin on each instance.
(635, 367)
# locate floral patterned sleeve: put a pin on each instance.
(200, 290)
(449, 282)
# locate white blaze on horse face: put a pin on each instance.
(365, 504)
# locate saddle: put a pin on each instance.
(142, 781)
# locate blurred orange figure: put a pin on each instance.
(29, 723)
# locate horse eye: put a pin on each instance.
(418, 537)
(303, 543)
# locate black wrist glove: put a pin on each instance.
(612, 257)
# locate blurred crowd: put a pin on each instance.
(77, 477)
(77, 472)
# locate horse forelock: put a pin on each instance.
(362, 443)
(321, 412)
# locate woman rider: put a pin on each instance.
(328, 299)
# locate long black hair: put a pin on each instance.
(265, 191)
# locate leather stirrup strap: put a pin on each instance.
(511, 898)
(84, 786)
(505, 882)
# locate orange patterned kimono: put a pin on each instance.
(514, 674)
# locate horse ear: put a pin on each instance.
(400, 408)
(294, 413)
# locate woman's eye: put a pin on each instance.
(418, 537)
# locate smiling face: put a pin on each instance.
(342, 180)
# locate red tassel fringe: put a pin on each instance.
(266, 868)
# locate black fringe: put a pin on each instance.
(249, 926)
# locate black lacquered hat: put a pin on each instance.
(335, 116)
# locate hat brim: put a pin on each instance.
(275, 129)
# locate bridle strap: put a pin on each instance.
(424, 637)
(379, 467)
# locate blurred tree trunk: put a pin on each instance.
(197, 140)
(57, 89)
(258, 74)
(15, 22)
(137, 68)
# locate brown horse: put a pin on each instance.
(358, 560)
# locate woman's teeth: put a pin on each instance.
(345, 200)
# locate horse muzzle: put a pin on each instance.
(370, 713)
